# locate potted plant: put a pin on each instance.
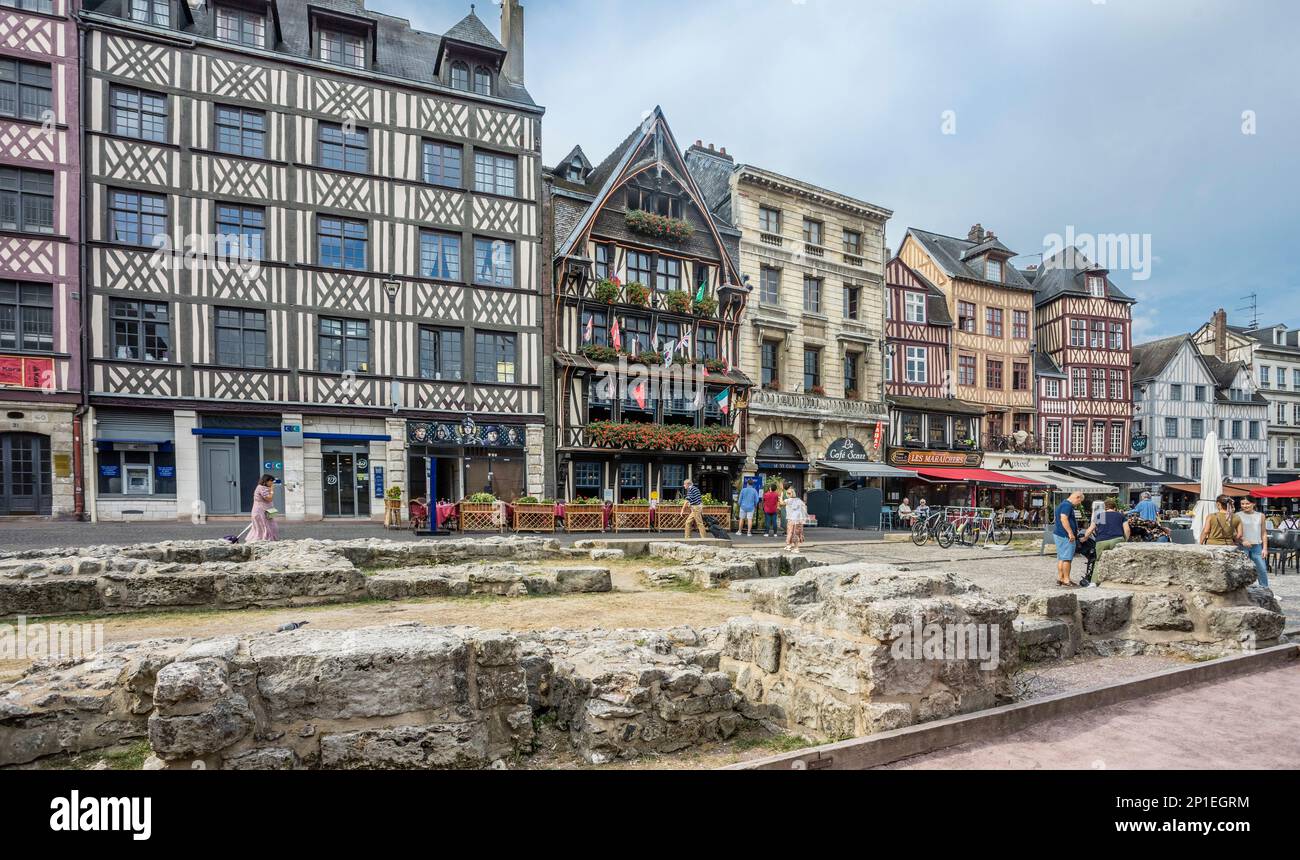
(480, 512)
(637, 294)
(705, 307)
(851, 394)
(584, 514)
(819, 390)
(605, 291)
(659, 226)
(534, 515)
(651, 357)
(716, 365)
(632, 515)
(599, 352)
(678, 301)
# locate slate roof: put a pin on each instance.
(936, 303)
(402, 51)
(1225, 373)
(950, 405)
(950, 254)
(1065, 272)
(1045, 365)
(1152, 357)
(712, 174)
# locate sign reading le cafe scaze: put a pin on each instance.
(846, 450)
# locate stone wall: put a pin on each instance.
(714, 567)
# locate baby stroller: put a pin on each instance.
(1086, 549)
(716, 529)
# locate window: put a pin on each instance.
(993, 322)
(494, 262)
(771, 372)
(441, 353)
(1078, 383)
(769, 280)
(648, 200)
(26, 317)
(992, 373)
(639, 269)
(241, 337)
(1117, 438)
(813, 231)
(1281, 413)
(966, 317)
(604, 262)
(1117, 336)
(241, 26)
(1236, 429)
(769, 220)
(1020, 376)
(1078, 333)
(26, 200)
(993, 270)
(1254, 430)
(46, 6)
(25, 89)
(598, 317)
(914, 307)
(1098, 384)
(1053, 388)
(668, 332)
(1098, 334)
(853, 243)
(442, 164)
(916, 368)
(586, 476)
(1236, 467)
(344, 345)
(1020, 325)
(1077, 432)
(1098, 437)
(1195, 468)
(706, 342)
(1252, 470)
(812, 368)
(1117, 385)
(812, 295)
(1171, 428)
(341, 242)
(494, 357)
(460, 76)
(241, 131)
(156, 12)
(1171, 465)
(1175, 392)
(241, 231)
(1199, 393)
(1097, 286)
(139, 113)
(440, 255)
(851, 362)
(141, 330)
(494, 174)
(136, 218)
(1263, 376)
(668, 274)
(482, 81)
(347, 49)
(344, 150)
(965, 370)
(1053, 437)
(136, 473)
(852, 301)
(1198, 428)
(631, 480)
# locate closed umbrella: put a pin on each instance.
(1211, 484)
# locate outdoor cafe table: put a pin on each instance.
(446, 511)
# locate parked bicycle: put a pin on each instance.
(976, 526)
(935, 527)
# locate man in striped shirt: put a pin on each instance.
(693, 507)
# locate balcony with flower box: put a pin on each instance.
(816, 406)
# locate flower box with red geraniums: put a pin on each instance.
(637, 294)
(659, 226)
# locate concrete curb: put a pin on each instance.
(885, 747)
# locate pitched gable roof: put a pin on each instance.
(950, 255)
(473, 31)
(936, 304)
(1150, 358)
(1066, 272)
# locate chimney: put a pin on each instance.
(976, 234)
(1220, 323)
(512, 37)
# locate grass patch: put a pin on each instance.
(117, 758)
(774, 743)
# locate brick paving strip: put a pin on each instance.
(1240, 713)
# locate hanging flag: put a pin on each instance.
(722, 399)
(589, 331)
(615, 335)
(638, 394)
(684, 342)
(699, 294)
(636, 346)
(668, 354)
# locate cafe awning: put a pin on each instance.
(986, 477)
(1069, 483)
(865, 470)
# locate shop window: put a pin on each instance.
(670, 481)
(631, 481)
(587, 478)
(136, 473)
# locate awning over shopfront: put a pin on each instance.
(866, 470)
(977, 476)
(1069, 483)
(1235, 491)
(1278, 491)
(1115, 472)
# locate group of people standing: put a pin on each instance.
(782, 508)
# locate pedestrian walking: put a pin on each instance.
(748, 504)
(1065, 533)
(263, 526)
(771, 504)
(1223, 526)
(796, 512)
(693, 507)
(1253, 538)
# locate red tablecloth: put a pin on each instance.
(446, 510)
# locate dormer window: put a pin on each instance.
(993, 269)
(344, 48)
(460, 76)
(1097, 286)
(482, 81)
(241, 26)
(575, 170)
(156, 12)
(654, 201)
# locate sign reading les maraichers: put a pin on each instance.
(903, 457)
(846, 450)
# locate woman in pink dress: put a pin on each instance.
(264, 527)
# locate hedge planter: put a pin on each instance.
(670, 517)
(534, 518)
(631, 518)
(584, 518)
(480, 517)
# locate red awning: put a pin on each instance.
(1278, 491)
(976, 476)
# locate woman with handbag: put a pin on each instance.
(1223, 526)
(264, 527)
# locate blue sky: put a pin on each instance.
(1122, 116)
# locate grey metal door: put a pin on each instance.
(25, 474)
(221, 477)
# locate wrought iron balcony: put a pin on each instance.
(767, 402)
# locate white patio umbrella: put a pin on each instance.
(1211, 484)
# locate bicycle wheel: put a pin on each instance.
(968, 534)
(920, 534)
(1001, 535)
(945, 534)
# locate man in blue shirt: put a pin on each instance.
(1064, 534)
(748, 504)
(693, 507)
(1146, 509)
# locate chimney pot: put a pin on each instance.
(512, 38)
(723, 150)
(699, 143)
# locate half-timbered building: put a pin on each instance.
(813, 332)
(646, 304)
(40, 190)
(1083, 324)
(313, 238)
(992, 306)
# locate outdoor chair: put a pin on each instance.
(886, 516)
(1182, 536)
(1283, 548)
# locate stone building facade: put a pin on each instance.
(313, 238)
(813, 336)
(40, 306)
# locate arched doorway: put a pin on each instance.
(781, 458)
(25, 485)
